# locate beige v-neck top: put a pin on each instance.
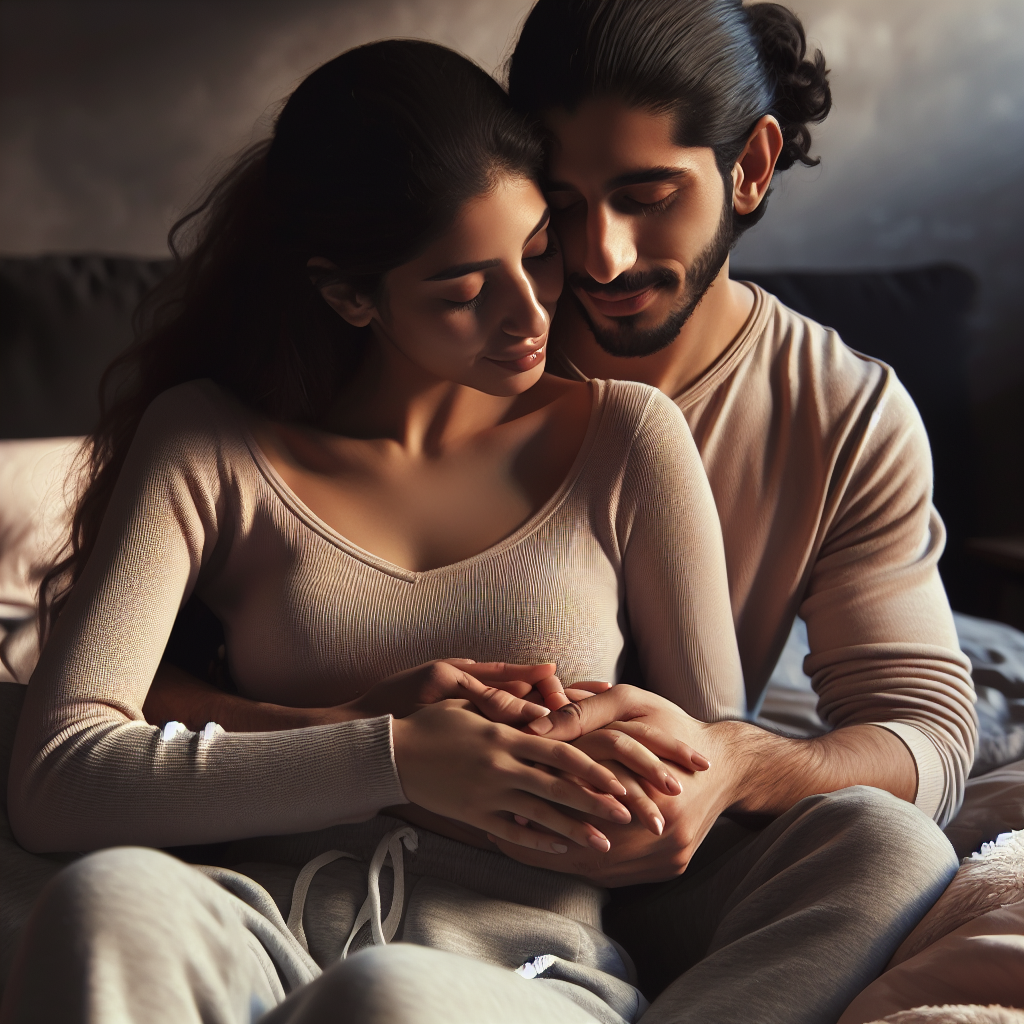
(822, 476)
(630, 537)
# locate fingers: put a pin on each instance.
(640, 804)
(498, 705)
(585, 798)
(501, 671)
(575, 720)
(662, 743)
(592, 686)
(610, 744)
(541, 818)
(551, 692)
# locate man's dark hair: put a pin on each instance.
(716, 65)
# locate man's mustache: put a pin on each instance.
(639, 281)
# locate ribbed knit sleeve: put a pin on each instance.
(883, 642)
(676, 586)
(87, 770)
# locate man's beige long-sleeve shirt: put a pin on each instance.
(822, 474)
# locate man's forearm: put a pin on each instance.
(772, 773)
(177, 696)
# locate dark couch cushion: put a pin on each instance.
(62, 320)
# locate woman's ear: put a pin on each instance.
(753, 170)
(350, 305)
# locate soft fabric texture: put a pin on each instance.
(987, 880)
(821, 474)
(33, 515)
(993, 804)
(786, 923)
(960, 1014)
(178, 948)
(175, 947)
(981, 962)
(631, 531)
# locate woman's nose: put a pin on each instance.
(526, 317)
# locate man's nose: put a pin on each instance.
(611, 248)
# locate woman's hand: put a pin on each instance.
(499, 691)
(455, 763)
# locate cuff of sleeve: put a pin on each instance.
(930, 780)
(370, 752)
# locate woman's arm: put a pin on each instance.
(88, 771)
(512, 694)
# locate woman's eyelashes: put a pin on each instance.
(468, 304)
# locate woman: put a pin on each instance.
(339, 434)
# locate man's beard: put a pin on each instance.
(628, 340)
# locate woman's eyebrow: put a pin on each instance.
(462, 269)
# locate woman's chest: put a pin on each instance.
(309, 623)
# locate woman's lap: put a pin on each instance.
(136, 935)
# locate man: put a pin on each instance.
(667, 120)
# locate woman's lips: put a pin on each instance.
(625, 305)
(527, 362)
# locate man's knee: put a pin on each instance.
(882, 833)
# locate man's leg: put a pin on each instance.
(787, 924)
(133, 936)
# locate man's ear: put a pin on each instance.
(753, 170)
(350, 305)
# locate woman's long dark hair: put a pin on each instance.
(371, 159)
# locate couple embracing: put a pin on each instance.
(499, 586)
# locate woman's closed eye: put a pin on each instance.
(467, 293)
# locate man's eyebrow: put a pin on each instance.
(462, 269)
(648, 174)
(641, 177)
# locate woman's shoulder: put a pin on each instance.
(641, 407)
(190, 422)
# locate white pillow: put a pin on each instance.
(34, 518)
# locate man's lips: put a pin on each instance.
(616, 304)
(527, 362)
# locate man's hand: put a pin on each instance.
(669, 821)
(750, 770)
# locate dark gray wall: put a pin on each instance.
(114, 112)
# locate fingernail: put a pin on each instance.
(672, 785)
(622, 815)
(659, 825)
(599, 843)
(540, 726)
(492, 838)
(701, 761)
(520, 820)
(542, 712)
(559, 848)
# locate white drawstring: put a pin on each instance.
(383, 931)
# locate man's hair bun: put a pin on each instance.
(802, 93)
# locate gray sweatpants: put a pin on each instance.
(786, 924)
